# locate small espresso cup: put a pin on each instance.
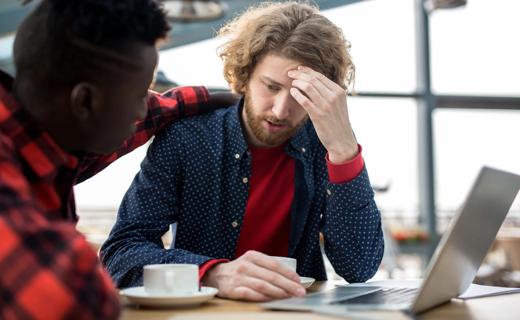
(171, 279)
(289, 262)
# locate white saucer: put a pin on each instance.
(306, 282)
(137, 295)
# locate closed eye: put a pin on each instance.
(273, 88)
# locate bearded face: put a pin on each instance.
(269, 130)
(271, 116)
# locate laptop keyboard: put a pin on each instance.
(384, 296)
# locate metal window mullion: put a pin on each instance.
(426, 105)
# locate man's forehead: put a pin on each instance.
(274, 67)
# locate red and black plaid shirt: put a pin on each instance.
(47, 269)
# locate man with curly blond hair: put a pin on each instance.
(262, 178)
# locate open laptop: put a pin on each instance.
(452, 267)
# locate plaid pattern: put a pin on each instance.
(47, 269)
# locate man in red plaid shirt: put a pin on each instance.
(80, 101)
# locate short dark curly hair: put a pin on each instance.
(61, 40)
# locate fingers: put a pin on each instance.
(315, 92)
(256, 277)
(318, 89)
(245, 293)
(265, 275)
(303, 101)
(309, 74)
(316, 99)
(266, 262)
(265, 288)
(314, 84)
(274, 283)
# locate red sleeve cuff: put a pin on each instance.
(347, 171)
(203, 268)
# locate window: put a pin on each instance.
(387, 130)
(475, 49)
(466, 140)
(383, 43)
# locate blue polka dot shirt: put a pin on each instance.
(196, 175)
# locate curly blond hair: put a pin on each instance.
(293, 30)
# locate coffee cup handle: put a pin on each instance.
(169, 280)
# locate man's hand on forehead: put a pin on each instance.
(326, 103)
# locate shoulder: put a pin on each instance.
(196, 135)
(199, 126)
(178, 95)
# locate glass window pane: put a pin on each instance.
(488, 137)
(106, 189)
(383, 52)
(475, 49)
(387, 130)
(382, 35)
(194, 64)
(6, 48)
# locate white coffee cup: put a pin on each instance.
(289, 262)
(171, 279)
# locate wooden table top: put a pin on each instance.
(506, 307)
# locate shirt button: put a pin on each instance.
(237, 156)
(303, 149)
(234, 224)
(245, 179)
(328, 192)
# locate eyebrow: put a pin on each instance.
(266, 78)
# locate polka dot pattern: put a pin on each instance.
(197, 172)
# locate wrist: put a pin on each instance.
(210, 277)
(342, 155)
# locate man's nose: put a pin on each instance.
(282, 106)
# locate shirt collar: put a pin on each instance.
(235, 133)
(301, 142)
(233, 129)
(35, 146)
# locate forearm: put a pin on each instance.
(163, 109)
(125, 260)
(352, 229)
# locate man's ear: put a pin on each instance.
(85, 99)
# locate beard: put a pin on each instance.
(254, 121)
